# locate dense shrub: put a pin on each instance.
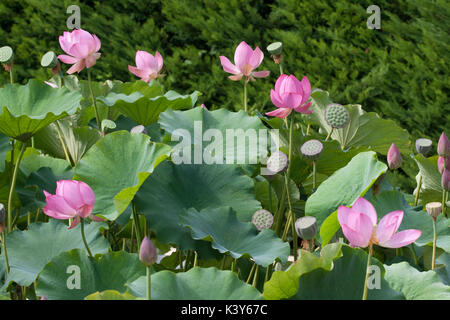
(400, 71)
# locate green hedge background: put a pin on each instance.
(400, 71)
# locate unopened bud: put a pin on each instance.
(434, 209)
(441, 166)
(147, 252)
(394, 158)
(443, 148)
(445, 181)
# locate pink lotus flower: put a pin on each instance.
(443, 147)
(246, 60)
(147, 66)
(440, 164)
(394, 158)
(82, 49)
(445, 180)
(359, 225)
(290, 94)
(73, 199)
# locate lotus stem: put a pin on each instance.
(433, 257)
(83, 236)
(329, 134)
(444, 202)
(314, 176)
(281, 68)
(367, 272)
(136, 224)
(255, 278)
(195, 259)
(149, 284)
(419, 185)
(268, 271)
(250, 275)
(245, 96)
(5, 253)
(13, 184)
(97, 117)
(222, 264)
(66, 153)
(308, 128)
(11, 76)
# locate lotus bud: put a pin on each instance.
(434, 209)
(275, 50)
(312, 149)
(306, 227)
(445, 181)
(443, 148)
(139, 129)
(147, 252)
(277, 162)
(6, 57)
(262, 219)
(440, 164)
(394, 157)
(337, 116)
(203, 106)
(423, 146)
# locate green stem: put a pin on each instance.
(419, 185)
(13, 184)
(281, 68)
(11, 76)
(188, 257)
(314, 175)
(136, 224)
(222, 265)
(270, 197)
(444, 202)
(255, 278)
(5, 252)
(84, 238)
(97, 117)
(329, 134)
(195, 259)
(245, 96)
(149, 284)
(250, 275)
(308, 128)
(433, 258)
(367, 273)
(268, 271)
(58, 128)
(132, 236)
(414, 254)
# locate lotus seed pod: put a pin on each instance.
(337, 116)
(147, 252)
(440, 164)
(108, 124)
(6, 55)
(306, 227)
(423, 146)
(434, 209)
(2, 213)
(277, 162)
(275, 48)
(49, 60)
(312, 149)
(262, 219)
(443, 148)
(139, 129)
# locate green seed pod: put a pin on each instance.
(275, 48)
(306, 227)
(312, 149)
(434, 209)
(262, 219)
(337, 116)
(49, 60)
(6, 55)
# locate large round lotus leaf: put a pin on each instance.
(25, 109)
(30, 250)
(174, 188)
(338, 274)
(352, 181)
(111, 271)
(218, 136)
(196, 284)
(431, 189)
(116, 167)
(389, 201)
(416, 285)
(143, 106)
(228, 234)
(365, 128)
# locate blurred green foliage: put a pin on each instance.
(400, 71)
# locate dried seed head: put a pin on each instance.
(337, 116)
(312, 149)
(262, 219)
(434, 209)
(306, 227)
(423, 146)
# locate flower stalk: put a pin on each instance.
(84, 238)
(369, 258)
(13, 184)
